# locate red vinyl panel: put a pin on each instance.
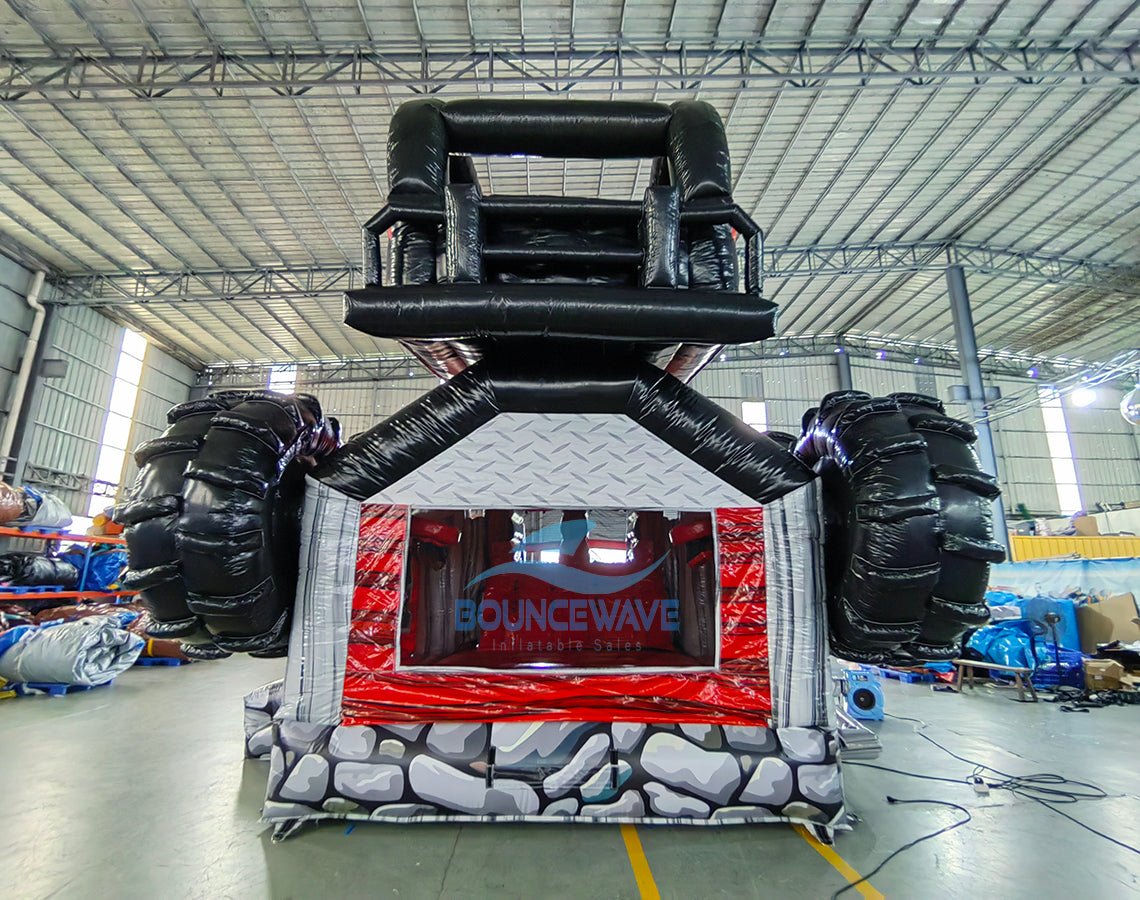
(738, 693)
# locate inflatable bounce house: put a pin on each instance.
(562, 586)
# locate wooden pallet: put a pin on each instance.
(27, 689)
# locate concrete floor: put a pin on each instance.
(139, 790)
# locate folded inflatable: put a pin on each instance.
(563, 584)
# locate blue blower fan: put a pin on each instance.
(863, 694)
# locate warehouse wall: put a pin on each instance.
(70, 412)
(1106, 448)
(15, 322)
(358, 404)
(165, 382)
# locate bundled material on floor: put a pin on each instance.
(89, 651)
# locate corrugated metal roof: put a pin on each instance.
(201, 182)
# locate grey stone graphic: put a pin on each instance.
(308, 780)
(352, 743)
(678, 763)
(456, 740)
(374, 783)
(771, 783)
(804, 744)
(569, 771)
(596, 748)
(627, 735)
(670, 803)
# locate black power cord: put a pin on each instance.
(1046, 788)
(907, 846)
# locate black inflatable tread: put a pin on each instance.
(899, 576)
(974, 615)
(835, 398)
(213, 403)
(987, 551)
(141, 579)
(880, 632)
(162, 445)
(205, 652)
(898, 446)
(212, 604)
(194, 534)
(230, 478)
(245, 424)
(944, 425)
(897, 509)
(863, 409)
(171, 630)
(266, 642)
(980, 483)
(146, 508)
(907, 398)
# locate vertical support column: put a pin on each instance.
(967, 342)
(843, 366)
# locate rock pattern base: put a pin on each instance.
(569, 772)
(261, 708)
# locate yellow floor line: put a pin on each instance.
(839, 864)
(641, 873)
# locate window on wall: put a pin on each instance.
(1061, 453)
(117, 426)
(755, 413)
(283, 379)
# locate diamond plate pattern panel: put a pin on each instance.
(563, 461)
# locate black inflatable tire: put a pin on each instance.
(150, 517)
(240, 527)
(965, 529)
(907, 521)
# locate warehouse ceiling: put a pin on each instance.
(211, 160)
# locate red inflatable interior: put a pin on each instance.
(558, 614)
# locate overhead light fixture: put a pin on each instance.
(1032, 372)
(882, 354)
(838, 349)
(1130, 405)
(1082, 397)
(918, 360)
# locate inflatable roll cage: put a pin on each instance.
(504, 269)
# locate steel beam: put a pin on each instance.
(562, 65)
(288, 282)
(843, 368)
(967, 342)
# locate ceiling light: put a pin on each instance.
(1083, 397)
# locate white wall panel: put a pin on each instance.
(165, 382)
(68, 420)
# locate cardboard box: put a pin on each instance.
(1086, 526)
(1103, 674)
(1112, 618)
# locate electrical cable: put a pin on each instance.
(915, 842)
(1046, 788)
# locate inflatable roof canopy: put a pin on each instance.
(563, 305)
